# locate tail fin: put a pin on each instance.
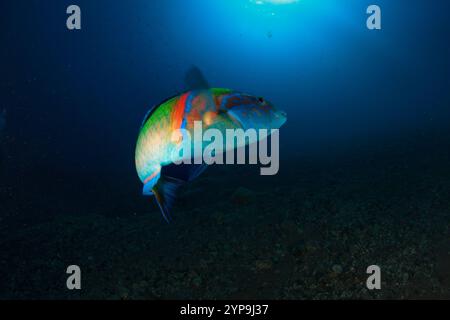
(165, 193)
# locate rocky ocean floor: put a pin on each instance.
(309, 233)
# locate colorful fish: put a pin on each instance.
(216, 108)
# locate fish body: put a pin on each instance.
(217, 108)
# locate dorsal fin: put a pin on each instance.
(195, 80)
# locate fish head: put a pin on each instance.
(277, 118)
(255, 112)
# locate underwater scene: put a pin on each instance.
(224, 149)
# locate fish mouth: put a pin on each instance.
(281, 115)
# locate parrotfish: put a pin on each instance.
(215, 108)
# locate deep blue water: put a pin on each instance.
(74, 100)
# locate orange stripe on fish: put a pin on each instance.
(178, 113)
(154, 174)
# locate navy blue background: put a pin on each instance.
(75, 99)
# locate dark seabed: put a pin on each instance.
(365, 153)
(309, 234)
